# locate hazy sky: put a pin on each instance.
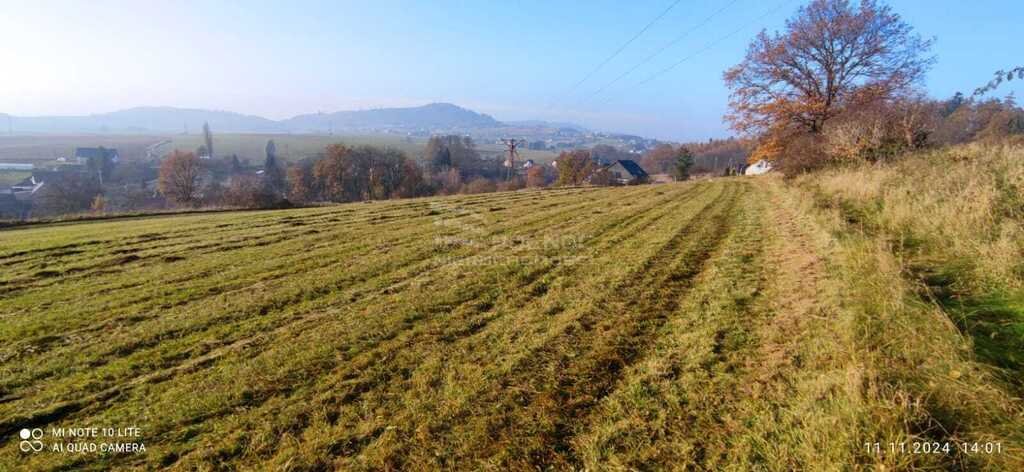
(514, 60)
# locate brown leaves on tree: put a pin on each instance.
(180, 178)
(574, 167)
(832, 55)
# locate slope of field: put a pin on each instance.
(685, 325)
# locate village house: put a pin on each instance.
(30, 184)
(627, 172)
(760, 167)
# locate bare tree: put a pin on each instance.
(66, 194)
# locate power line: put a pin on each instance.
(619, 50)
(710, 45)
(668, 45)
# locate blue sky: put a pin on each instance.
(514, 60)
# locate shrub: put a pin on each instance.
(480, 185)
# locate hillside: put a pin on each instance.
(729, 322)
(432, 116)
(176, 120)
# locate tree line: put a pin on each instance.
(341, 173)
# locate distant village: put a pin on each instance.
(99, 180)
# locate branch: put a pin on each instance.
(1000, 76)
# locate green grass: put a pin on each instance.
(693, 325)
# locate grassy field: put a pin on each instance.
(733, 323)
(45, 149)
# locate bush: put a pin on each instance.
(249, 191)
(480, 185)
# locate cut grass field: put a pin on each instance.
(717, 324)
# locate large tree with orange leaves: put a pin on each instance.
(832, 55)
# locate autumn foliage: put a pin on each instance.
(180, 178)
(574, 167)
(833, 57)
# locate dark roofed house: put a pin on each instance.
(627, 172)
(83, 154)
(29, 184)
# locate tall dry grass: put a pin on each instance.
(959, 209)
(929, 253)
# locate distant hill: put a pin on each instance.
(145, 119)
(435, 116)
(426, 117)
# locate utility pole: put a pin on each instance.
(511, 144)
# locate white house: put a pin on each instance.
(758, 168)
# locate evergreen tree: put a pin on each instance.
(684, 161)
(273, 174)
(208, 139)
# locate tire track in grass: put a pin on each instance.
(554, 354)
(471, 304)
(572, 382)
(677, 408)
